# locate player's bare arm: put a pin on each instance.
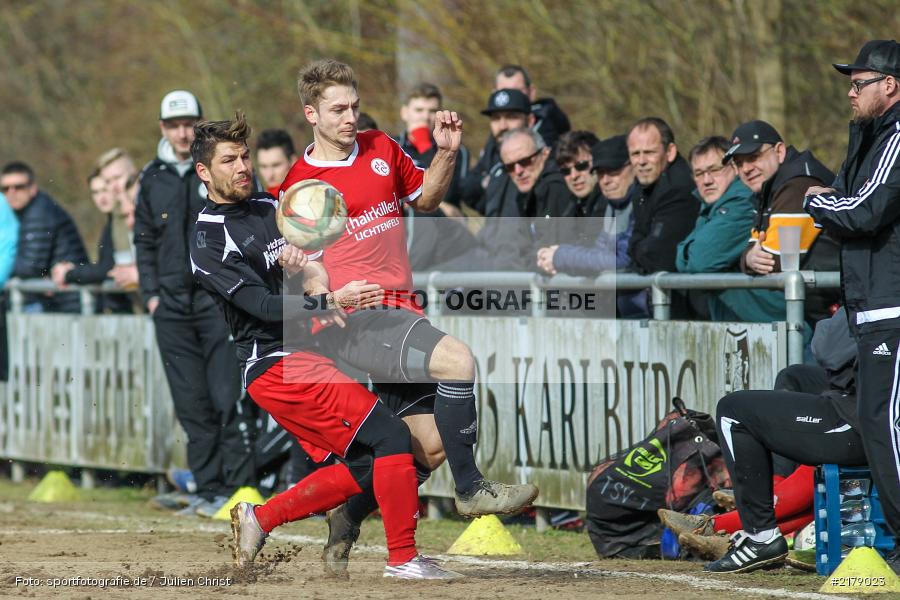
(448, 129)
(315, 278)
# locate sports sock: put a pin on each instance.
(361, 505)
(319, 491)
(764, 537)
(456, 421)
(394, 482)
(795, 499)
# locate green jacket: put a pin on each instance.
(720, 233)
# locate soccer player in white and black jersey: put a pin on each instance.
(421, 373)
(239, 257)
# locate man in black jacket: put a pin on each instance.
(47, 236)
(861, 210)
(666, 210)
(530, 189)
(191, 333)
(507, 109)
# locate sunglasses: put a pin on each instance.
(522, 162)
(15, 186)
(580, 166)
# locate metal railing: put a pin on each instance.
(661, 285)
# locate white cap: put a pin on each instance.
(179, 104)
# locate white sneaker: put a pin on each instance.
(248, 535)
(421, 567)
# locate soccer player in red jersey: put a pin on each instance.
(326, 410)
(421, 373)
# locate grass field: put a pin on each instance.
(113, 533)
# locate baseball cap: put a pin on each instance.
(749, 137)
(508, 100)
(882, 56)
(179, 104)
(610, 154)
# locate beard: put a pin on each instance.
(864, 116)
(231, 193)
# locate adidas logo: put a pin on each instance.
(882, 350)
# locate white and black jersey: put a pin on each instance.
(234, 256)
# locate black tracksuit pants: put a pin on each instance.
(205, 380)
(802, 427)
(878, 386)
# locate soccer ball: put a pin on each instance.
(311, 214)
(805, 539)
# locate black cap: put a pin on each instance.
(508, 100)
(882, 56)
(749, 137)
(610, 154)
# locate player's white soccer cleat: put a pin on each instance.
(342, 534)
(248, 535)
(495, 498)
(421, 567)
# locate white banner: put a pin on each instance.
(548, 412)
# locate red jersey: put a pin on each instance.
(376, 180)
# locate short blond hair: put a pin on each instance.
(111, 156)
(315, 78)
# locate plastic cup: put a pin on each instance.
(789, 244)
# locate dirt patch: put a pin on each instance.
(124, 550)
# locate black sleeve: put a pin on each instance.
(33, 257)
(146, 238)
(96, 272)
(275, 308)
(236, 281)
(67, 243)
(470, 188)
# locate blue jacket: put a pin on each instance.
(609, 252)
(9, 240)
(720, 234)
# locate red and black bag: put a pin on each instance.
(669, 469)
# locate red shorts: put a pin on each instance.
(308, 396)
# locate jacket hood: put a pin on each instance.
(165, 152)
(797, 164)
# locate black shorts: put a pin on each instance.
(391, 345)
(405, 399)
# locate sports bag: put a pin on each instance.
(668, 469)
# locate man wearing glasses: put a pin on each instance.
(778, 175)
(47, 236)
(726, 215)
(507, 109)
(861, 210)
(617, 191)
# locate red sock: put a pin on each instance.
(396, 490)
(797, 523)
(795, 497)
(319, 491)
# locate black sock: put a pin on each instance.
(456, 421)
(363, 504)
